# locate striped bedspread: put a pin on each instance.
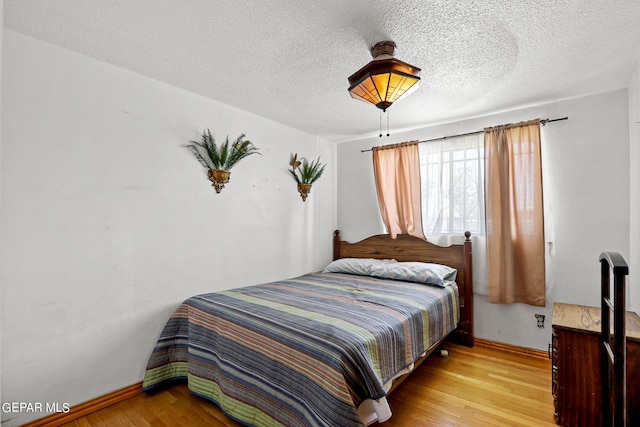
(300, 352)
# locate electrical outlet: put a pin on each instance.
(540, 319)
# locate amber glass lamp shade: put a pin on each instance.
(384, 80)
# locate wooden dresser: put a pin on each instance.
(576, 366)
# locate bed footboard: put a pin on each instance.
(614, 346)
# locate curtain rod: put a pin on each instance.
(544, 122)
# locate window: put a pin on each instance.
(452, 190)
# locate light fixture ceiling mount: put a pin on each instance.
(385, 79)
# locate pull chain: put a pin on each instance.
(387, 113)
(387, 124)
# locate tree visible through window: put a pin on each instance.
(452, 174)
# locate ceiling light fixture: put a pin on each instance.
(385, 79)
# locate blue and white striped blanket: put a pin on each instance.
(304, 351)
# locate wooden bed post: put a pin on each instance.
(336, 245)
(467, 326)
(464, 332)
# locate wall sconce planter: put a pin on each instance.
(304, 190)
(305, 173)
(220, 159)
(219, 178)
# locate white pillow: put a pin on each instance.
(359, 266)
(418, 272)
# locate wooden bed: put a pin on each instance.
(325, 348)
(406, 248)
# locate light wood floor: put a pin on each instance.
(482, 386)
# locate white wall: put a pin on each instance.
(586, 187)
(108, 223)
(634, 154)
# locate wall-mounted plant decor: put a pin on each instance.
(220, 159)
(305, 173)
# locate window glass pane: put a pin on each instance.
(452, 172)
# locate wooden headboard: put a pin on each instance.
(408, 248)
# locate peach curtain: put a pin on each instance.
(514, 214)
(397, 173)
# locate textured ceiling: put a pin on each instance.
(289, 60)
